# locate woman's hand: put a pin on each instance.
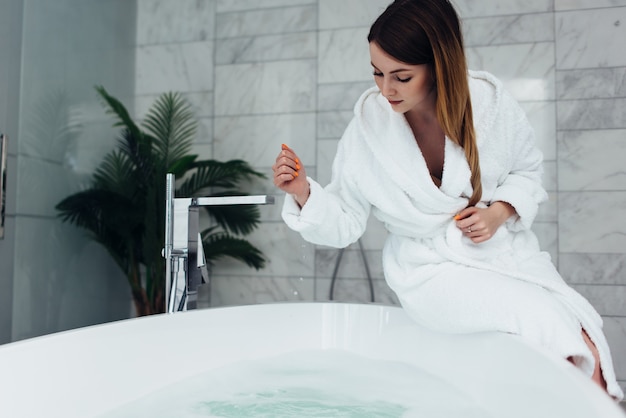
(290, 176)
(480, 224)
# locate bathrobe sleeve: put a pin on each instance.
(335, 215)
(521, 185)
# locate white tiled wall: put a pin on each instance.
(284, 71)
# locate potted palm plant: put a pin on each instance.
(124, 206)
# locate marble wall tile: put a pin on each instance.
(591, 114)
(344, 56)
(592, 160)
(203, 150)
(355, 291)
(527, 70)
(239, 5)
(513, 29)
(592, 222)
(547, 234)
(262, 88)
(548, 210)
(265, 22)
(341, 96)
(374, 237)
(201, 103)
(615, 331)
(606, 269)
(542, 117)
(250, 290)
(586, 4)
(182, 67)
(351, 264)
(590, 38)
(204, 134)
(288, 254)
(258, 138)
(326, 150)
(155, 17)
(349, 13)
(550, 174)
(595, 83)
(266, 48)
(608, 300)
(333, 124)
(472, 8)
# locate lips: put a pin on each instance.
(394, 102)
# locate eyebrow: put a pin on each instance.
(399, 70)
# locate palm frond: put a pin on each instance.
(181, 166)
(238, 219)
(115, 173)
(98, 211)
(133, 141)
(170, 121)
(216, 174)
(131, 145)
(218, 245)
(116, 108)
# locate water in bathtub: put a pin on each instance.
(321, 383)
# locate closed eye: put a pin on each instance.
(402, 80)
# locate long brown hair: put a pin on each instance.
(429, 32)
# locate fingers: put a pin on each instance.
(287, 167)
(471, 224)
(468, 224)
(283, 162)
(287, 158)
(465, 213)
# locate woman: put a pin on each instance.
(445, 158)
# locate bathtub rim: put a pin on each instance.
(350, 329)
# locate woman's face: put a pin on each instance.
(407, 87)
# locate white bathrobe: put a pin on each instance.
(442, 279)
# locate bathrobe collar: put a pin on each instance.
(391, 140)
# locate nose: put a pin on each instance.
(387, 88)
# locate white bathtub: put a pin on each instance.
(90, 371)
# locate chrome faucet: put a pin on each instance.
(183, 243)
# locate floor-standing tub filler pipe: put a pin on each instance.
(183, 244)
